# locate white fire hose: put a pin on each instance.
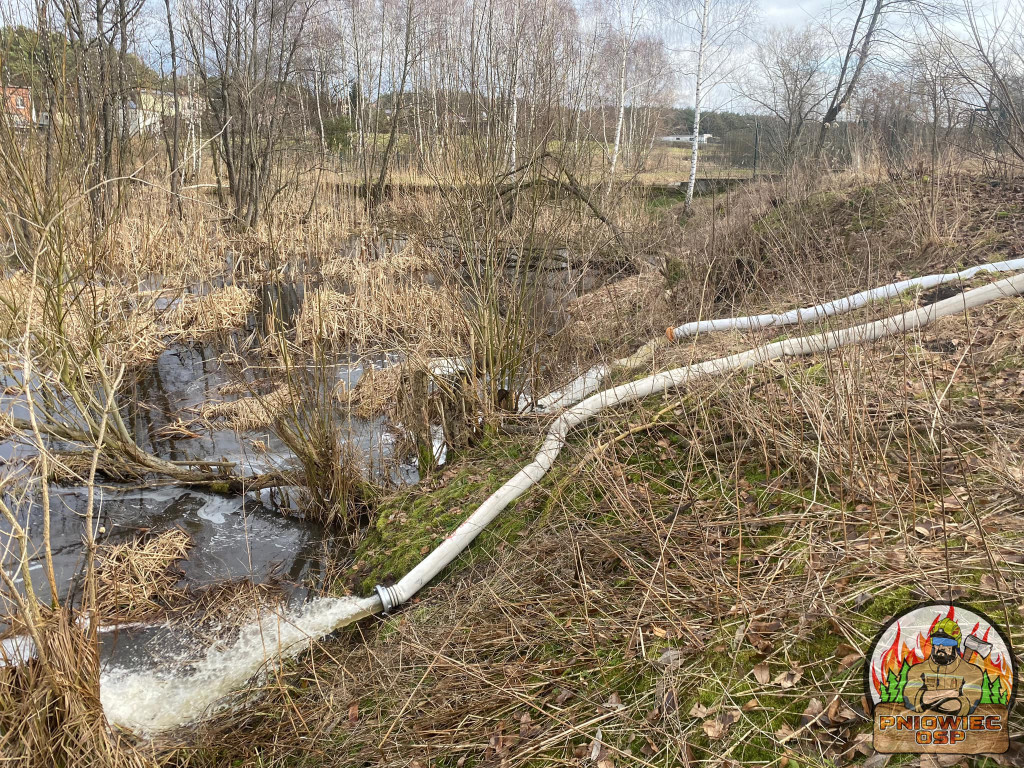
(149, 703)
(591, 381)
(531, 474)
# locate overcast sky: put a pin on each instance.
(792, 11)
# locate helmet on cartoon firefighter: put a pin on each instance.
(945, 637)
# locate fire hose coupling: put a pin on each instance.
(388, 597)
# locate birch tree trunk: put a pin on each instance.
(173, 141)
(706, 13)
(622, 115)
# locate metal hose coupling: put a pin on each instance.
(388, 597)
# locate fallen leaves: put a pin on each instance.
(717, 727)
(698, 710)
(599, 753)
(527, 728)
(848, 655)
(759, 633)
(814, 710)
(614, 703)
(789, 678)
(840, 712)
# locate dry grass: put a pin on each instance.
(697, 582)
(197, 247)
(246, 414)
(50, 712)
(17, 300)
(376, 392)
(137, 580)
(623, 613)
(208, 314)
(118, 321)
(612, 312)
(381, 303)
(698, 579)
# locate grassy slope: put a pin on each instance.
(619, 611)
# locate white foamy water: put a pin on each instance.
(216, 509)
(149, 701)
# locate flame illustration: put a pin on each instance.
(920, 648)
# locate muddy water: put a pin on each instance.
(159, 676)
(232, 537)
(259, 537)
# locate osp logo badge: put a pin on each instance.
(941, 678)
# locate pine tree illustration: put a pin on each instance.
(892, 691)
(986, 688)
(991, 690)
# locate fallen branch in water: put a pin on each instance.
(134, 461)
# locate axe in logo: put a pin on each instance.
(977, 645)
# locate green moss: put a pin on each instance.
(888, 604)
(410, 523)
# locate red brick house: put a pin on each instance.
(17, 104)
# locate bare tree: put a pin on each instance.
(863, 32)
(713, 27)
(788, 69)
(626, 20)
(245, 51)
(398, 100)
(986, 51)
(99, 33)
(172, 138)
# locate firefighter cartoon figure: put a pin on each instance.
(941, 678)
(946, 681)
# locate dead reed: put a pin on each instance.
(383, 304)
(74, 467)
(117, 320)
(376, 392)
(50, 713)
(249, 413)
(609, 316)
(137, 580)
(223, 309)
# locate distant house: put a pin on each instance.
(149, 108)
(704, 138)
(18, 107)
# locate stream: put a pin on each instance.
(258, 538)
(160, 676)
